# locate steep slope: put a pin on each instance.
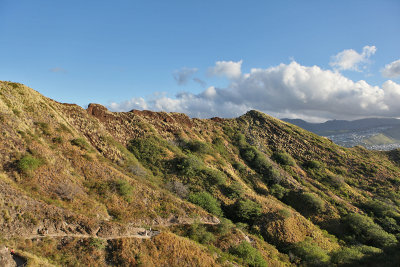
(89, 185)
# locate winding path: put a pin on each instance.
(142, 235)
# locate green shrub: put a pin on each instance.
(214, 177)
(336, 180)
(273, 176)
(199, 233)
(389, 224)
(352, 255)
(240, 140)
(284, 213)
(250, 256)
(346, 256)
(312, 201)
(381, 209)
(124, 189)
(81, 143)
(188, 166)
(249, 154)
(28, 163)
(246, 210)
(235, 190)
(278, 191)
(197, 147)
(310, 252)
(219, 146)
(313, 164)
(239, 167)
(283, 158)
(191, 167)
(150, 151)
(225, 226)
(368, 232)
(207, 202)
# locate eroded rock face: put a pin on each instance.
(6, 259)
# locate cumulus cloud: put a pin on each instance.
(58, 69)
(286, 90)
(350, 59)
(392, 70)
(127, 105)
(229, 69)
(183, 75)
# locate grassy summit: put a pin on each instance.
(93, 187)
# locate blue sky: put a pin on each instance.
(125, 54)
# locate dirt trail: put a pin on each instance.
(141, 234)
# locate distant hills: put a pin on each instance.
(373, 133)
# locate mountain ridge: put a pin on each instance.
(218, 189)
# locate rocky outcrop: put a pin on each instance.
(6, 260)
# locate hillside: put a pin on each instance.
(96, 188)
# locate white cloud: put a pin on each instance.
(286, 90)
(127, 105)
(183, 75)
(349, 59)
(229, 69)
(392, 70)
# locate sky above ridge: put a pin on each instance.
(313, 59)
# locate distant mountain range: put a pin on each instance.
(373, 133)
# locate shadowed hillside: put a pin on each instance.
(93, 187)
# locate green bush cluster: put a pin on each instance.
(283, 158)
(239, 167)
(150, 152)
(199, 233)
(312, 201)
(225, 226)
(196, 172)
(246, 210)
(352, 255)
(207, 202)
(313, 164)
(250, 255)
(29, 163)
(381, 209)
(124, 189)
(258, 161)
(235, 190)
(196, 146)
(310, 253)
(336, 180)
(366, 231)
(278, 191)
(219, 146)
